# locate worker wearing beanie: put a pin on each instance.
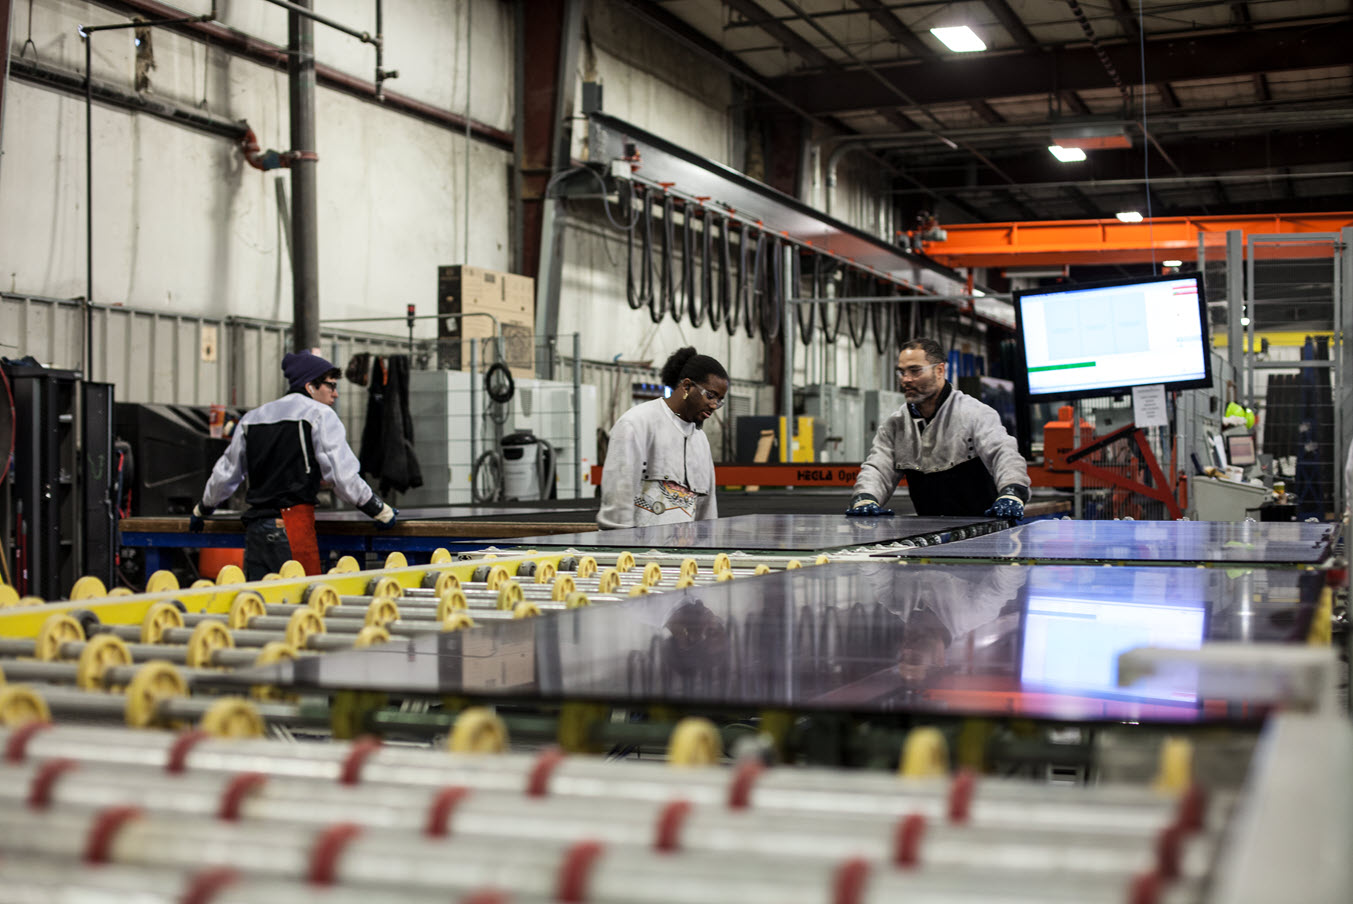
(285, 448)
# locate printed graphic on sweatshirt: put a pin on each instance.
(660, 496)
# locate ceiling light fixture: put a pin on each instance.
(1129, 216)
(1172, 263)
(959, 39)
(1066, 155)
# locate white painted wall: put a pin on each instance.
(181, 221)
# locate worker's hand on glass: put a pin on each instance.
(1007, 506)
(866, 506)
(198, 519)
(387, 517)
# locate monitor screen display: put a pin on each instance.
(1104, 338)
(1240, 450)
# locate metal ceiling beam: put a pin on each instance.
(896, 29)
(782, 33)
(1013, 24)
(1075, 68)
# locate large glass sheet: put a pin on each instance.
(777, 533)
(1177, 542)
(858, 637)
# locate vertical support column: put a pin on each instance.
(546, 71)
(791, 290)
(1343, 360)
(1235, 298)
(577, 417)
(304, 215)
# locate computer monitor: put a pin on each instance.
(1104, 338)
(1240, 450)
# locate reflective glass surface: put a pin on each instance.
(859, 637)
(778, 533)
(1189, 542)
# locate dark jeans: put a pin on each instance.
(265, 548)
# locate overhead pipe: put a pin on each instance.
(304, 181)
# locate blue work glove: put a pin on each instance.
(866, 505)
(197, 520)
(387, 517)
(1008, 506)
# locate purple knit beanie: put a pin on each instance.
(301, 368)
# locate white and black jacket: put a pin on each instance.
(659, 469)
(286, 447)
(953, 462)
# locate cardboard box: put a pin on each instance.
(473, 290)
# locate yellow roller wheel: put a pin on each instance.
(477, 730)
(270, 577)
(722, 563)
(652, 574)
(207, 638)
(272, 654)
(683, 583)
(925, 754)
(545, 572)
(509, 595)
(563, 586)
(609, 581)
(8, 596)
(638, 590)
(576, 600)
(20, 705)
(88, 588)
(488, 557)
(587, 566)
(321, 597)
(792, 564)
(1175, 770)
(763, 568)
(120, 591)
(244, 608)
(724, 576)
(291, 569)
(689, 568)
(347, 565)
(382, 611)
(158, 618)
(155, 681)
(59, 628)
(31, 601)
(200, 584)
(162, 580)
(229, 574)
(526, 610)
(387, 587)
(396, 560)
(821, 560)
(694, 742)
(232, 717)
(441, 556)
(301, 625)
(446, 581)
(102, 651)
(449, 602)
(371, 635)
(498, 576)
(625, 561)
(457, 621)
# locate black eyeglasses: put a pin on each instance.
(332, 384)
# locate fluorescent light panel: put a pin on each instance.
(1172, 263)
(959, 39)
(1129, 216)
(1066, 155)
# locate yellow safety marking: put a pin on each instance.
(477, 730)
(1321, 632)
